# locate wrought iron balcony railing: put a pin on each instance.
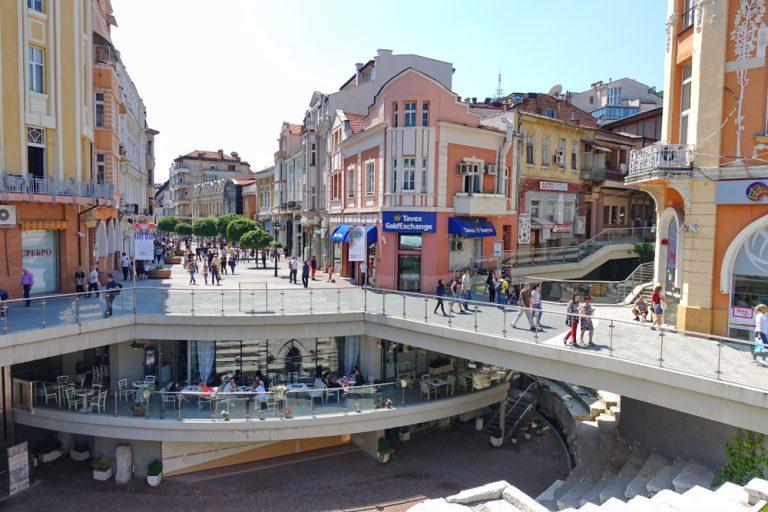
(659, 159)
(30, 184)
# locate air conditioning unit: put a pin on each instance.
(490, 170)
(7, 216)
(558, 159)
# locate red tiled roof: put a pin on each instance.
(243, 179)
(295, 129)
(209, 155)
(356, 122)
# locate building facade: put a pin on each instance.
(257, 197)
(616, 99)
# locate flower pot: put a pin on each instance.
(479, 423)
(513, 440)
(405, 436)
(102, 476)
(496, 442)
(154, 480)
(384, 458)
(79, 456)
(51, 456)
(527, 436)
(160, 273)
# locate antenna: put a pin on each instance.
(499, 90)
(555, 90)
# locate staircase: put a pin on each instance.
(518, 406)
(642, 277)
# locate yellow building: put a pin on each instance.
(46, 125)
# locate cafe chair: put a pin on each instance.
(50, 394)
(426, 389)
(125, 393)
(100, 404)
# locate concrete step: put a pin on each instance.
(496, 506)
(572, 402)
(701, 498)
(589, 398)
(590, 478)
(639, 504)
(609, 399)
(549, 492)
(734, 493)
(668, 498)
(612, 505)
(757, 488)
(619, 457)
(637, 487)
(607, 424)
(627, 474)
(692, 474)
(664, 476)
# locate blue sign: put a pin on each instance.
(409, 222)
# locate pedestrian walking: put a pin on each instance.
(215, 271)
(572, 321)
(264, 258)
(192, 269)
(3, 298)
(293, 265)
(26, 283)
(761, 330)
(93, 282)
(232, 263)
(501, 290)
(112, 291)
(205, 274)
(536, 304)
(586, 311)
(657, 305)
(79, 280)
(455, 293)
(490, 283)
(329, 269)
(363, 270)
(305, 273)
(525, 307)
(440, 292)
(313, 269)
(466, 289)
(125, 263)
(224, 262)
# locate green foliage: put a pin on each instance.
(256, 239)
(182, 228)
(238, 227)
(204, 227)
(102, 463)
(222, 222)
(167, 224)
(155, 468)
(275, 244)
(645, 251)
(747, 459)
(384, 446)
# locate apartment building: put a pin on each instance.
(257, 197)
(616, 99)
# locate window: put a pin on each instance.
(535, 208)
(568, 212)
(425, 114)
(100, 110)
(394, 115)
(410, 114)
(410, 242)
(550, 112)
(545, 151)
(591, 100)
(36, 69)
(312, 154)
(685, 101)
(614, 95)
(35, 5)
(409, 173)
(423, 175)
(560, 160)
(36, 152)
(551, 210)
(100, 168)
(530, 140)
(473, 179)
(689, 8)
(369, 178)
(574, 154)
(394, 175)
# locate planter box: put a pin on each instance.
(440, 370)
(50, 456)
(404, 436)
(160, 273)
(79, 456)
(102, 476)
(496, 442)
(173, 260)
(154, 481)
(479, 423)
(179, 252)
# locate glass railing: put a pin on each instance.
(615, 333)
(279, 403)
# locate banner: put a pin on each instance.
(358, 244)
(144, 241)
(524, 229)
(18, 468)
(409, 222)
(581, 225)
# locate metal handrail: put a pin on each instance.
(522, 395)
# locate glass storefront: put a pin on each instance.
(409, 272)
(750, 285)
(39, 254)
(671, 292)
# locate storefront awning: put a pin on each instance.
(470, 227)
(341, 233)
(44, 225)
(373, 234)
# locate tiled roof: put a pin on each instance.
(295, 129)
(244, 179)
(209, 155)
(356, 122)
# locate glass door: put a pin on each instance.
(409, 272)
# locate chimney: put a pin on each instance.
(382, 51)
(358, 65)
(221, 154)
(235, 155)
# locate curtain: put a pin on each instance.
(101, 239)
(110, 237)
(205, 354)
(351, 353)
(118, 232)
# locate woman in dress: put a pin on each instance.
(586, 311)
(572, 321)
(657, 307)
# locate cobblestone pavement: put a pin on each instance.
(432, 464)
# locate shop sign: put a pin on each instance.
(498, 249)
(742, 192)
(524, 229)
(741, 312)
(563, 227)
(18, 468)
(357, 243)
(553, 185)
(41, 251)
(409, 222)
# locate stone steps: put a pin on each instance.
(637, 486)
(693, 474)
(619, 457)
(664, 476)
(618, 486)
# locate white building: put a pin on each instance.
(616, 99)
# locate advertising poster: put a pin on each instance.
(143, 241)
(524, 229)
(358, 246)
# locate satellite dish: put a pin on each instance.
(556, 90)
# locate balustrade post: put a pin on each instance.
(661, 347)
(719, 355)
(43, 302)
(610, 338)
(476, 308)
(178, 404)
(426, 308)
(193, 302)
(77, 308)
(115, 397)
(504, 321)
(383, 302)
(338, 300)
(403, 305)
(134, 300)
(365, 300)
(222, 302)
(282, 302)
(310, 301)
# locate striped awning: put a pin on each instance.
(44, 225)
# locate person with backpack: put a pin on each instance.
(440, 293)
(113, 289)
(501, 290)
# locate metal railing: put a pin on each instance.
(695, 353)
(30, 184)
(660, 157)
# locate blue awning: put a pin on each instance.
(341, 233)
(373, 234)
(470, 227)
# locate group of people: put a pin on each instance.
(308, 270)
(641, 309)
(579, 315)
(213, 262)
(112, 287)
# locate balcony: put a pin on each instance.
(105, 55)
(593, 174)
(479, 204)
(659, 161)
(68, 187)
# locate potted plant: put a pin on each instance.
(160, 273)
(102, 469)
(288, 413)
(526, 430)
(497, 437)
(440, 365)
(404, 434)
(513, 439)
(50, 451)
(385, 452)
(80, 452)
(225, 415)
(280, 390)
(138, 410)
(155, 473)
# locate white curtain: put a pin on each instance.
(101, 239)
(351, 353)
(110, 237)
(118, 236)
(206, 351)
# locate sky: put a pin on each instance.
(224, 74)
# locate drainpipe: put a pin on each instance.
(509, 140)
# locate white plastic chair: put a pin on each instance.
(100, 404)
(150, 379)
(451, 384)
(125, 392)
(169, 398)
(318, 392)
(62, 379)
(48, 395)
(73, 402)
(426, 389)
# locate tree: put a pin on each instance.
(255, 239)
(204, 227)
(183, 228)
(238, 227)
(222, 221)
(167, 224)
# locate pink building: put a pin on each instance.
(424, 180)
